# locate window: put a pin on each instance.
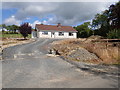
(61, 33)
(70, 34)
(53, 33)
(45, 32)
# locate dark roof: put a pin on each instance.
(55, 28)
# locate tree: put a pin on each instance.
(9, 28)
(114, 34)
(3, 26)
(14, 28)
(108, 22)
(114, 17)
(25, 29)
(101, 23)
(84, 30)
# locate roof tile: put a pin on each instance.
(55, 27)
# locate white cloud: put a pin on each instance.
(28, 18)
(34, 23)
(12, 16)
(66, 13)
(46, 22)
(51, 20)
(60, 0)
(12, 20)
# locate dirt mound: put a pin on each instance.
(81, 54)
(95, 37)
(106, 52)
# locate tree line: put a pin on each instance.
(11, 29)
(24, 29)
(106, 24)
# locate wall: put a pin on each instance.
(34, 34)
(66, 35)
(56, 35)
(40, 35)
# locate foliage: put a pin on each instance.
(15, 27)
(108, 22)
(10, 28)
(101, 23)
(114, 16)
(100, 20)
(114, 34)
(3, 26)
(25, 29)
(84, 30)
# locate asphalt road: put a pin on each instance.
(28, 66)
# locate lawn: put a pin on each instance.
(12, 35)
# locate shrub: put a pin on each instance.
(114, 34)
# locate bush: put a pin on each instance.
(114, 34)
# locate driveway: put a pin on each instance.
(28, 66)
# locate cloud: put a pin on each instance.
(66, 13)
(60, 0)
(12, 20)
(46, 22)
(74, 13)
(51, 20)
(35, 22)
(34, 9)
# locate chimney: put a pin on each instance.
(59, 25)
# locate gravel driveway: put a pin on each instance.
(28, 66)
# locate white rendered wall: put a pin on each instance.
(34, 34)
(41, 35)
(66, 35)
(56, 35)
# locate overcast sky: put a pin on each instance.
(66, 13)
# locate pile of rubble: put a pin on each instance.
(90, 50)
(71, 49)
(81, 54)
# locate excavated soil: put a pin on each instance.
(88, 50)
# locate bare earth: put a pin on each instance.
(74, 49)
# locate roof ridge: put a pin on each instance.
(52, 25)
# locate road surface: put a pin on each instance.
(28, 66)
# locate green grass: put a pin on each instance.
(13, 36)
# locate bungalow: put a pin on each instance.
(53, 31)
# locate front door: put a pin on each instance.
(52, 35)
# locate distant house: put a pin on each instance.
(53, 31)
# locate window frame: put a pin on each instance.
(61, 33)
(45, 32)
(71, 34)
